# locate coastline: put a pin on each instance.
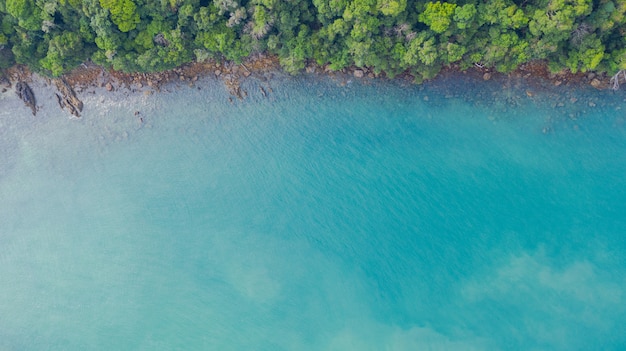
(89, 75)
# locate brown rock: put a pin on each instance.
(358, 73)
(67, 97)
(596, 83)
(487, 76)
(218, 73)
(109, 87)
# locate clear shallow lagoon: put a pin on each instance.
(455, 216)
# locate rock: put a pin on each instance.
(218, 73)
(529, 93)
(487, 76)
(147, 92)
(246, 74)
(109, 87)
(67, 98)
(591, 75)
(310, 69)
(557, 83)
(139, 85)
(358, 73)
(371, 75)
(592, 104)
(5, 82)
(26, 94)
(596, 83)
(181, 77)
(426, 98)
(573, 100)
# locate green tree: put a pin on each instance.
(123, 13)
(65, 52)
(438, 16)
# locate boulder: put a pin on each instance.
(596, 83)
(4, 81)
(26, 94)
(67, 97)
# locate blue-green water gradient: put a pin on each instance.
(330, 215)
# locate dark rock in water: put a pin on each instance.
(26, 94)
(5, 82)
(68, 98)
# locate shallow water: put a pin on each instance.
(331, 215)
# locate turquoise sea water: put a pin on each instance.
(330, 215)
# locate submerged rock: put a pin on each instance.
(26, 94)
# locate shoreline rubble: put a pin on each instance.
(89, 75)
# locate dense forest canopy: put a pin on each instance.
(53, 36)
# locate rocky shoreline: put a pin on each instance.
(90, 75)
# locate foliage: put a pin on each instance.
(391, 36)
